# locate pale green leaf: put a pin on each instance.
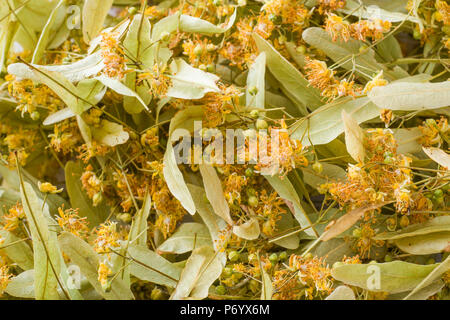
(286, 191)
(249, 230)
(214, 192)
(189, 82)
(93, 16)
(291, 80)
(149, 266)
(82, 255)
(79, 199)
(396, 276)
(411, 96)
(187, 237)
(256, 79)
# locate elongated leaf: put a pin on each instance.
(267, 288)
(437, 224)
(110, 133)
(81, 254)
(214, 192)
(411, 96)
(46, 32)
(188, 237)
(342, 293)
(217, 226)
(120, 88)
(17, 250)
(347, 221)
(138, 231)
(439, 156)
(82, 69)
(202, 269)
(45, 247)
(425, 244)
(373, 11)
(256, 80)
(286, 191)
(394, 277)
(189, 82)
(325, 124)
(442, 268)
(347, 54)
(148, 265)
(354, 137)
(291, 80)
(197, 25)
(249, 230)
(172, 174)
(93, 16)
(78, 197)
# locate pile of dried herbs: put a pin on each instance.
(97, 204)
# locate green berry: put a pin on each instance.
(165, 36)
(233, 256)
(438, 193)
(253, 90)
(317, 167)
(132, 10)
(198, 50)
(254, 114)
(417, 35)
(273, 258)
(261, 124)
(221, 290)
(227, 272)
(388, 160)
(301, 49)
(253, 201)
(387, 258)
(252, 257)
(391, 224)
(283, 255)
(125, 218)
(210, 67)
(211, 48)
(357, 233)
(249, 172)
(35, 115)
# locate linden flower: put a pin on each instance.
(103, 273)
(69, 221)
(107, 238)
(15, 215)
(5, 278)
(318, 74)
(330, 5)
(337, 27)
(369, 29)
(377, 81)
(443, 12)
(47, 187)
